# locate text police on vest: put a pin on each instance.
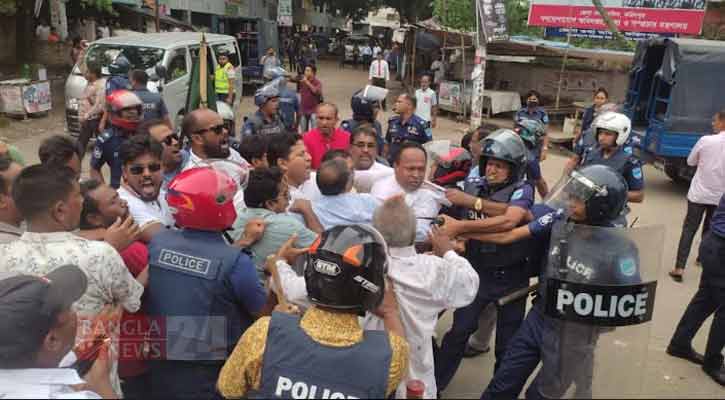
(302, 390)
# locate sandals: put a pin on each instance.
(675, 277)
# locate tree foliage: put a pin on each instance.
(100, 5)
(456, 14)
(8, 7)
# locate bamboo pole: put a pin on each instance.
(203, 101)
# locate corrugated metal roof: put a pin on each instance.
(164, 39)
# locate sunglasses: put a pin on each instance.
(138, 169)
(219, 129)
(169, 140)
(363, 145)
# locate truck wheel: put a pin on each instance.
(673, 171)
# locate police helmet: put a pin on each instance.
(505, 145)
(346, 268)
(265, 93)
(120, 100)
(120, 66)
(614, 122)
(361, 107)
(202, 198)
(530, 130)
(274, 73)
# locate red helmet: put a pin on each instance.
(120, 100)
(202, 198)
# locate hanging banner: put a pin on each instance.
(492, 19)
(602, 35)
(284, 12)
(662, 16)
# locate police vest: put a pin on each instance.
(261, 127)
(618, 161)
(151, 104)
(188, 273)
(221, 79)
(296, 367)
(414, 130)
(489, 255)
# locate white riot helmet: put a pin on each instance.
(615, 122)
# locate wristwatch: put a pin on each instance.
(478, 205)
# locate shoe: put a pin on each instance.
(689, 354)
(471, 351)
(718, 375)
(675, 277)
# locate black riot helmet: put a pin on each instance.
(504, 145)
(119, 66)
(346, 268)
(365, 101)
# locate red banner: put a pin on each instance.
(629, 19)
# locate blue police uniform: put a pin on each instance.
(501, 269)
(107, 151)
(350, 125)
(257, 124)
(539, 333)
(117, 82)
(621, 161)
(533, 166)
(538, 114)
(207, 293)
(289, 106)
(153, 104)
(292, 359)
(415, 129)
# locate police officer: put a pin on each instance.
(325, 353)
(532, 132)
(611, 131)
(406, 126)
(266, 119)
(499, 199)
(224, 77)
(119, 70)
(126, 112)
(154, 107)
(364, 111)
(205, 290)
(595, 196)
(289, 104)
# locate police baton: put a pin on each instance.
(516, 295)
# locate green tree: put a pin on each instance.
(456, 14)
(8, 7)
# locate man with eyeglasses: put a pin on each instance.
(141, 186)
(208, 137)
(364, 152)
(173, 158)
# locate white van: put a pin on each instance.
(172, 50)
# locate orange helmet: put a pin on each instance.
(203, 198)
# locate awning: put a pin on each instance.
(135, 3)
(145, 12)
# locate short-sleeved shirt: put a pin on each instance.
(538, 114)
(289, 105)
(107, 151)
(153, 105)
(318, 144)
(308, 99)
(258, 124)
(278, 229)
(117, 82)
(631, 171)
(426, 100)
(145, 212)
(414, 129)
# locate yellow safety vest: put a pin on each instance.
(221, 79)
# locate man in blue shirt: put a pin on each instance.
(153, 104)
(406, 126)
(709, 299)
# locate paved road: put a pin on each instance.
(663, 376)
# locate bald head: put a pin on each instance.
(396, 222)
(209, 138)
(195, 120)
(334, 177)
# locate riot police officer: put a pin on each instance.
(325, 353)
(365, 104)
(119, 69)
(289, 104)
(532, 132)
(593, 196)
(611, 132)
(406, 126)
(500, 199)
(266, 119)
(205, 290)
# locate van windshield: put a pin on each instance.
(140, 57)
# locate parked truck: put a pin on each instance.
(675, 87)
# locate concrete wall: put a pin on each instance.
(577, 85)
(8, 45)
(51, 54)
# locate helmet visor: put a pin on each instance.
(574, 186)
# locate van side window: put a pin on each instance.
(177, 64)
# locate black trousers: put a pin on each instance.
(89, 129)
(709, 299)
(692, 221)
(380, 82)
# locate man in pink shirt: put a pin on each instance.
(706, 189)
(327, 135)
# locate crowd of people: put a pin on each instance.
(279, 264)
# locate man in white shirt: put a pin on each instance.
(425, 285)
(141, 186)
(39, 330)
(367, 53)
(409, 164)
(42, 31)
(427, 102)
(379, 73)
(439, 72)
(364, 153)
(377, 50)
